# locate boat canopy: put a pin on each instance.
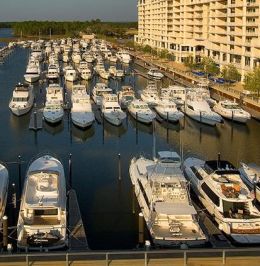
(174, 209)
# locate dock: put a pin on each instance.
(77, 234)
(36, 119)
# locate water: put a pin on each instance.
(106, 203)
(5, 33)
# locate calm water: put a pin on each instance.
(106, 203)
(5, 33)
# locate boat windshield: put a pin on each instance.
(230, 106)
(20, 99)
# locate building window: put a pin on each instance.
(232, 28)
(247, 61)
(232, 10)
(232, 19)
(232, 38)
(233, 2)
(248, 49)
(224, 57)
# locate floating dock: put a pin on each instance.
(36, 119)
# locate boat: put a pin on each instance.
(150, 94)
(53, 111)
(113, 59)
(71, 74)
(81, 111)
(53, 72)
(4, 181)
(250, 174)
(104, 74)
(168, 111)
(76, 57)
(42, 222)
(175, 93)
(86, 74)
(198, 109)
(231, 110)
(219, 187)
(124, 56)
(163, 196)
(125, 96)
(111, 110)
(155, 73)
(141, 111)
(32, 73)
(22, 99)
(99, 90)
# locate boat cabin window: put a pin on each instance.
(41, 212)
(196, 173)
(211, 194)
(234, 209)
(230, 106)
(20, 99)
(189, 106)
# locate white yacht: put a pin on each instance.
(155, 73)
(231, 110)
(227, 199)
(111, 110)
(125, 96)
(22, 99)
(32, 73)
(150, 96)
(168, 111)
(71, 74)
(174, 93)
(66, 57)
(42, 221)
(81, 111)
(198, 109)
(113, 59)
(99, 90)
(104, 74)
(89, 58)
(4, 180)
(124, 57)
(86, 74)
(163, 196)
(53, 111)
(141, 111)
(250, 174)
(53, 72)
(76, 57)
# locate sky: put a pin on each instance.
(61, 10)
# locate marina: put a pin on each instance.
(102, 151)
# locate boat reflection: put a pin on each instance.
(53, 129)
(82, 135)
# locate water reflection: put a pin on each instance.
(82, 135)
(53, 129)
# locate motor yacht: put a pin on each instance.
(219, 187)
(76, 57)
(22, 99)
(150, 94)
(163, 196)
(111, 109)
(4, 181)
(231, 110)
(32, 73)
(198, 109)
(168, 111)
(42, 222)
(81, 111)
(99, 90)
(53, 72)
(125, 96)
(141, 111)
(71, 74)
(155, 73)
(176, 94)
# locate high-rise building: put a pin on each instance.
(226, 30)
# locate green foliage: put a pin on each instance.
(209, 66)
(163, 53)
(252, 81)
(147, 49)
(189, 62)
(230, 72)
(72, 28)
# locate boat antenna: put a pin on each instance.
(154, 140)
(218, 161)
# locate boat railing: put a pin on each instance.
(139, 257)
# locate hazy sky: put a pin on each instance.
(106, 10)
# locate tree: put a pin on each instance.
(189, 62)
(230, 73)
(252, 81)
(147, 49)
(209, 66)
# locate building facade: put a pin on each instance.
(226, 30)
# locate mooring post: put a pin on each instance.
(5, 231)
(200, 116)
(140, 229)
(103, 127)
(19, 175)
(119, 167)
(14, 196)
(133, 199)
(167, 119)
(136, 128)
(70, 170)
(35, 119)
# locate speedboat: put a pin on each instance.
(22, 99)
(99, 90)
(232, 111)
(219, 187)
(198, 109)
(81, 111)
(125, 96)
(163, 196)
(168, 111)
(155, 73)
(141, 111)
(4, 180)
(111, 110)
(250, 174)
(53, 111)
(42, 222)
